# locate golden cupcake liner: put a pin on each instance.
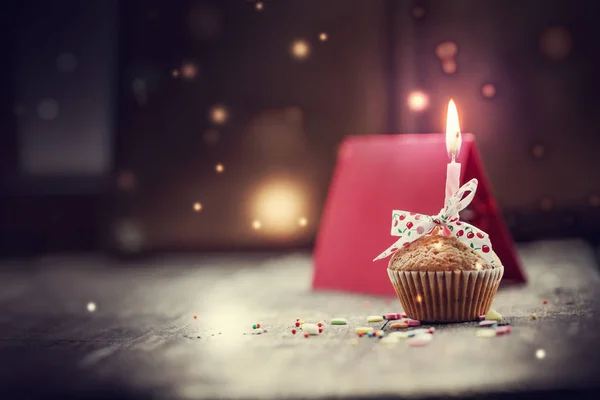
(433, 296)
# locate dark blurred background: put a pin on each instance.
(138, 126)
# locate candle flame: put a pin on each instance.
(453, 136)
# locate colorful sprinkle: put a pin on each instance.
(195, 317)
(320, 330)
(399, 325)
(364, 329)
(493, 315)
(293, 331)
(311, 329)
(380, 333)
(413, 322)
(301, 322)
(389, 340)
(399, 335)
(416, 332)
(545, 301)
(360, 334)
(503, 330)
(306, 335)
(374, 318)
(297, 324)
(487, 323)
(481, 317)
(533, 316)
(485, 333)
(420, 340)
(370, 334)
(391, 317)
(338, 321)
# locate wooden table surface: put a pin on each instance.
(143, 342)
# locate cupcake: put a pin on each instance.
(438, 278)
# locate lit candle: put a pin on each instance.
(453, 142)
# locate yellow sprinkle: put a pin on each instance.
(533, 316)
(389, 340)
(301, 322)
(374, 318)
(485, 332)
(399, 335)
(364, 329)
(493, 315)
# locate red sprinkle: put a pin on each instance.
(320, 330)
(297, 324)
(503, 330)
(257, 326)
(306, 335)
(319, 324)
(545, 301)
(195, 317)
(293, 331)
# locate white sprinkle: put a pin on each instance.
(420, 340)
(399, 334)
(540, 354)
(485, 333)
(311, 329)
(91, 307)
(389, 339)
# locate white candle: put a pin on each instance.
(453, 143)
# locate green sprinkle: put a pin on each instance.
(339, 321)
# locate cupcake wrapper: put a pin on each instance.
(432, 296)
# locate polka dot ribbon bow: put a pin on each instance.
(411, 226)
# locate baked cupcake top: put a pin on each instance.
(437, 253)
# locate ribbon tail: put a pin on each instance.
(390, 250)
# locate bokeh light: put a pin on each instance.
(48, 109)
(556, 43)
(219, 168)
(303, 221)
(126, 180)
(256, 225)
(259, 5)
(446, 50)
(218, 115)
(538, 151)
(189, 70)
(546, 204)
(418, 12)
(300, 49)
(66, 63)
(277, 205)
(211, 136)
(488, 90)
(91, 306)
(323, 36)
(175, 73)
(197, 206)
(418, 100)
(449, 66)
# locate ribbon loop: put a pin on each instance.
(408, 227)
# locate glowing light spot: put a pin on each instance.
(446, 50)
(256, 225)
(303, 221)
(488, 90)
(189, 71)
(540, 354)
(211, 136)
(300, 49)
(126, 180)
(418, 12)
(449, 66)
(418, 101)
(197, 207)
(538, 151)
(594, 200)
(91, 307)
(478, 266)
(323, 36)
(48, 109)
(218, 115)
(419, 298)
(66, 63)
(259, 5)
(546, 204)
(556, 43)
(277, 204)
(219, 168)
(175, 73)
